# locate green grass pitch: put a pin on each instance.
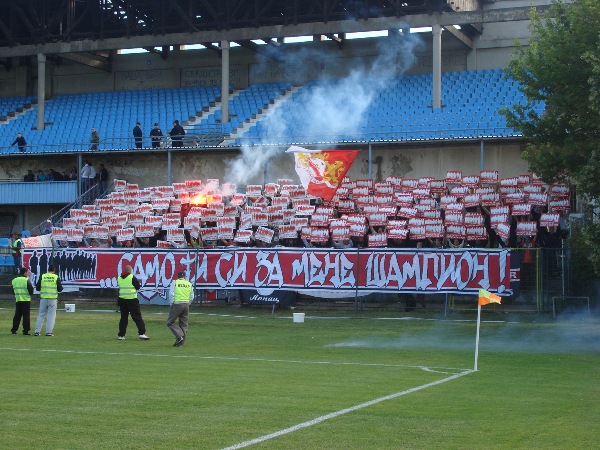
(337, 381)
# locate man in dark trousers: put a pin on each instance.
(177, 133)
(181, 295)
(102, 179)
(156, 136)
(17, 250)
(23, 290)
(21, 142)
(129, 304)
(137, 135)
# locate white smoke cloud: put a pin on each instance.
(334, 108)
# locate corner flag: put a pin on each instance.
(486, 297)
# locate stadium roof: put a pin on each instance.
(29, 27)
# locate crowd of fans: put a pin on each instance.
(51, 175)
(397, 213)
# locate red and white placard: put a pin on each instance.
(549, 220)
(377, 240)
(125, 234)
(526, 228)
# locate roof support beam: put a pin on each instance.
(264, 50)
(276, 31)
(460, 36)
(90, 60)
(212, 46)
(164, 52)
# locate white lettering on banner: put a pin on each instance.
(338, 271)
(454, 271)
(448, 267)
(272, 267)
(233, 274)
(154, 268)
(202, 267)
(259, 298)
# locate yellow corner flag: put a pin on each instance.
(486, 297)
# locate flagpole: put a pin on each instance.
(477, 336)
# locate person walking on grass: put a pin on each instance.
(129, 304)
(49, 286)
(23, 290)
(181, 295)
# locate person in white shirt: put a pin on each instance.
(88, 173)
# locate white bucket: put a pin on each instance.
(298, 317)
(70, 307)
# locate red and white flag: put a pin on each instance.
(322, 171)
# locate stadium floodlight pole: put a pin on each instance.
(477, 336)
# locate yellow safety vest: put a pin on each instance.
(20, 287)
(49, 288)
(16, 249)
(126, 289)
(182, 291)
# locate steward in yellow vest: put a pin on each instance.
(129, 304)
(23, 290)
(181, 295)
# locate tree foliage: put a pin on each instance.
(561, 67)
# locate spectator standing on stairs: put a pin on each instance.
(94, 139)
(103, 179)
(17, 249)
(137, 135)
(88, 173)
(177, 133)
(29, 176)
(21, 142)
(156, 135)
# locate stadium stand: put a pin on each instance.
(400, 112)
(70, 117)
(243, 106)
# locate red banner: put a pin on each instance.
(383, 270)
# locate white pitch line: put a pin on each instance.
(232, 358)
(335, 414)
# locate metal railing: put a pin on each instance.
(85, 198)
(213, 136)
